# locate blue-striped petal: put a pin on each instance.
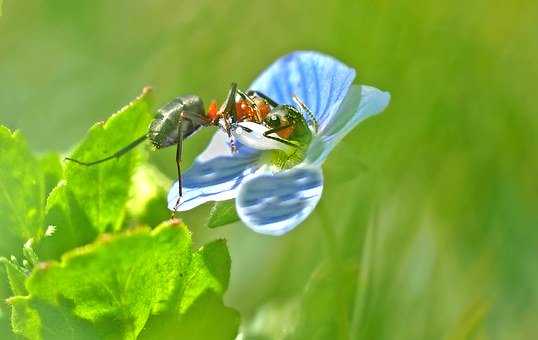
(360, 103)
(215, 174)
(275, 203)
(319, 80)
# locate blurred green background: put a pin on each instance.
(436, 238)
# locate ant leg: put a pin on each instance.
(278, 139)
(229, 108)
(179, 151)
(271, 102)
(309, 113)
(117, 154)
(230, 112)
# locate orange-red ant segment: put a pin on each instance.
(247, 112)
(212, 111)
(286, 133)
(263, 107)
(244, 111)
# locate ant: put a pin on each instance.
(185, 115)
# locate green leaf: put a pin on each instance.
(92, 200)
(21, 192)
(148, 205)
(15, 277)
(126, 285)
(24, 319)
(206, 319)
(22, 196)
(21, 209)
(52, 170)
(209, 271)
(36, 319)
(199, 313)
(222, 213)
(104, 189)
(73, 226)
(125, 277)
(5, 324)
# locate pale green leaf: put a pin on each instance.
(15, 277)
(103, 189)
(209, 271)
(21, 192)
(21, 208)
(5, 323)
(91, 200)
(73, 228)
(35, 319)
(115, 283)
(199, 312)
(206, 319)
(25, 320)
(148, 205)
(142, 283)
(222, 213)
(51, 167)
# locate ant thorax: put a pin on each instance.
(255, 110)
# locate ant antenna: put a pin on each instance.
(309, 113)
(117, 154)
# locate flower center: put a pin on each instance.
(281, 160)
(276, 151)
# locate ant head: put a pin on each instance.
(281, 116)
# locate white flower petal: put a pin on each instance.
(252, 135)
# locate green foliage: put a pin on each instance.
(21, 192)
(206, 319)
(22, 195)
(148, 205)
(448, 185)
(15, 277)
(198, 312)
(108, 284)
(103, 188)
(92, 200)
(222, 213)
(51, 165)
(209, 271)
(112, 287)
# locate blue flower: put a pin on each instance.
(269, 201)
